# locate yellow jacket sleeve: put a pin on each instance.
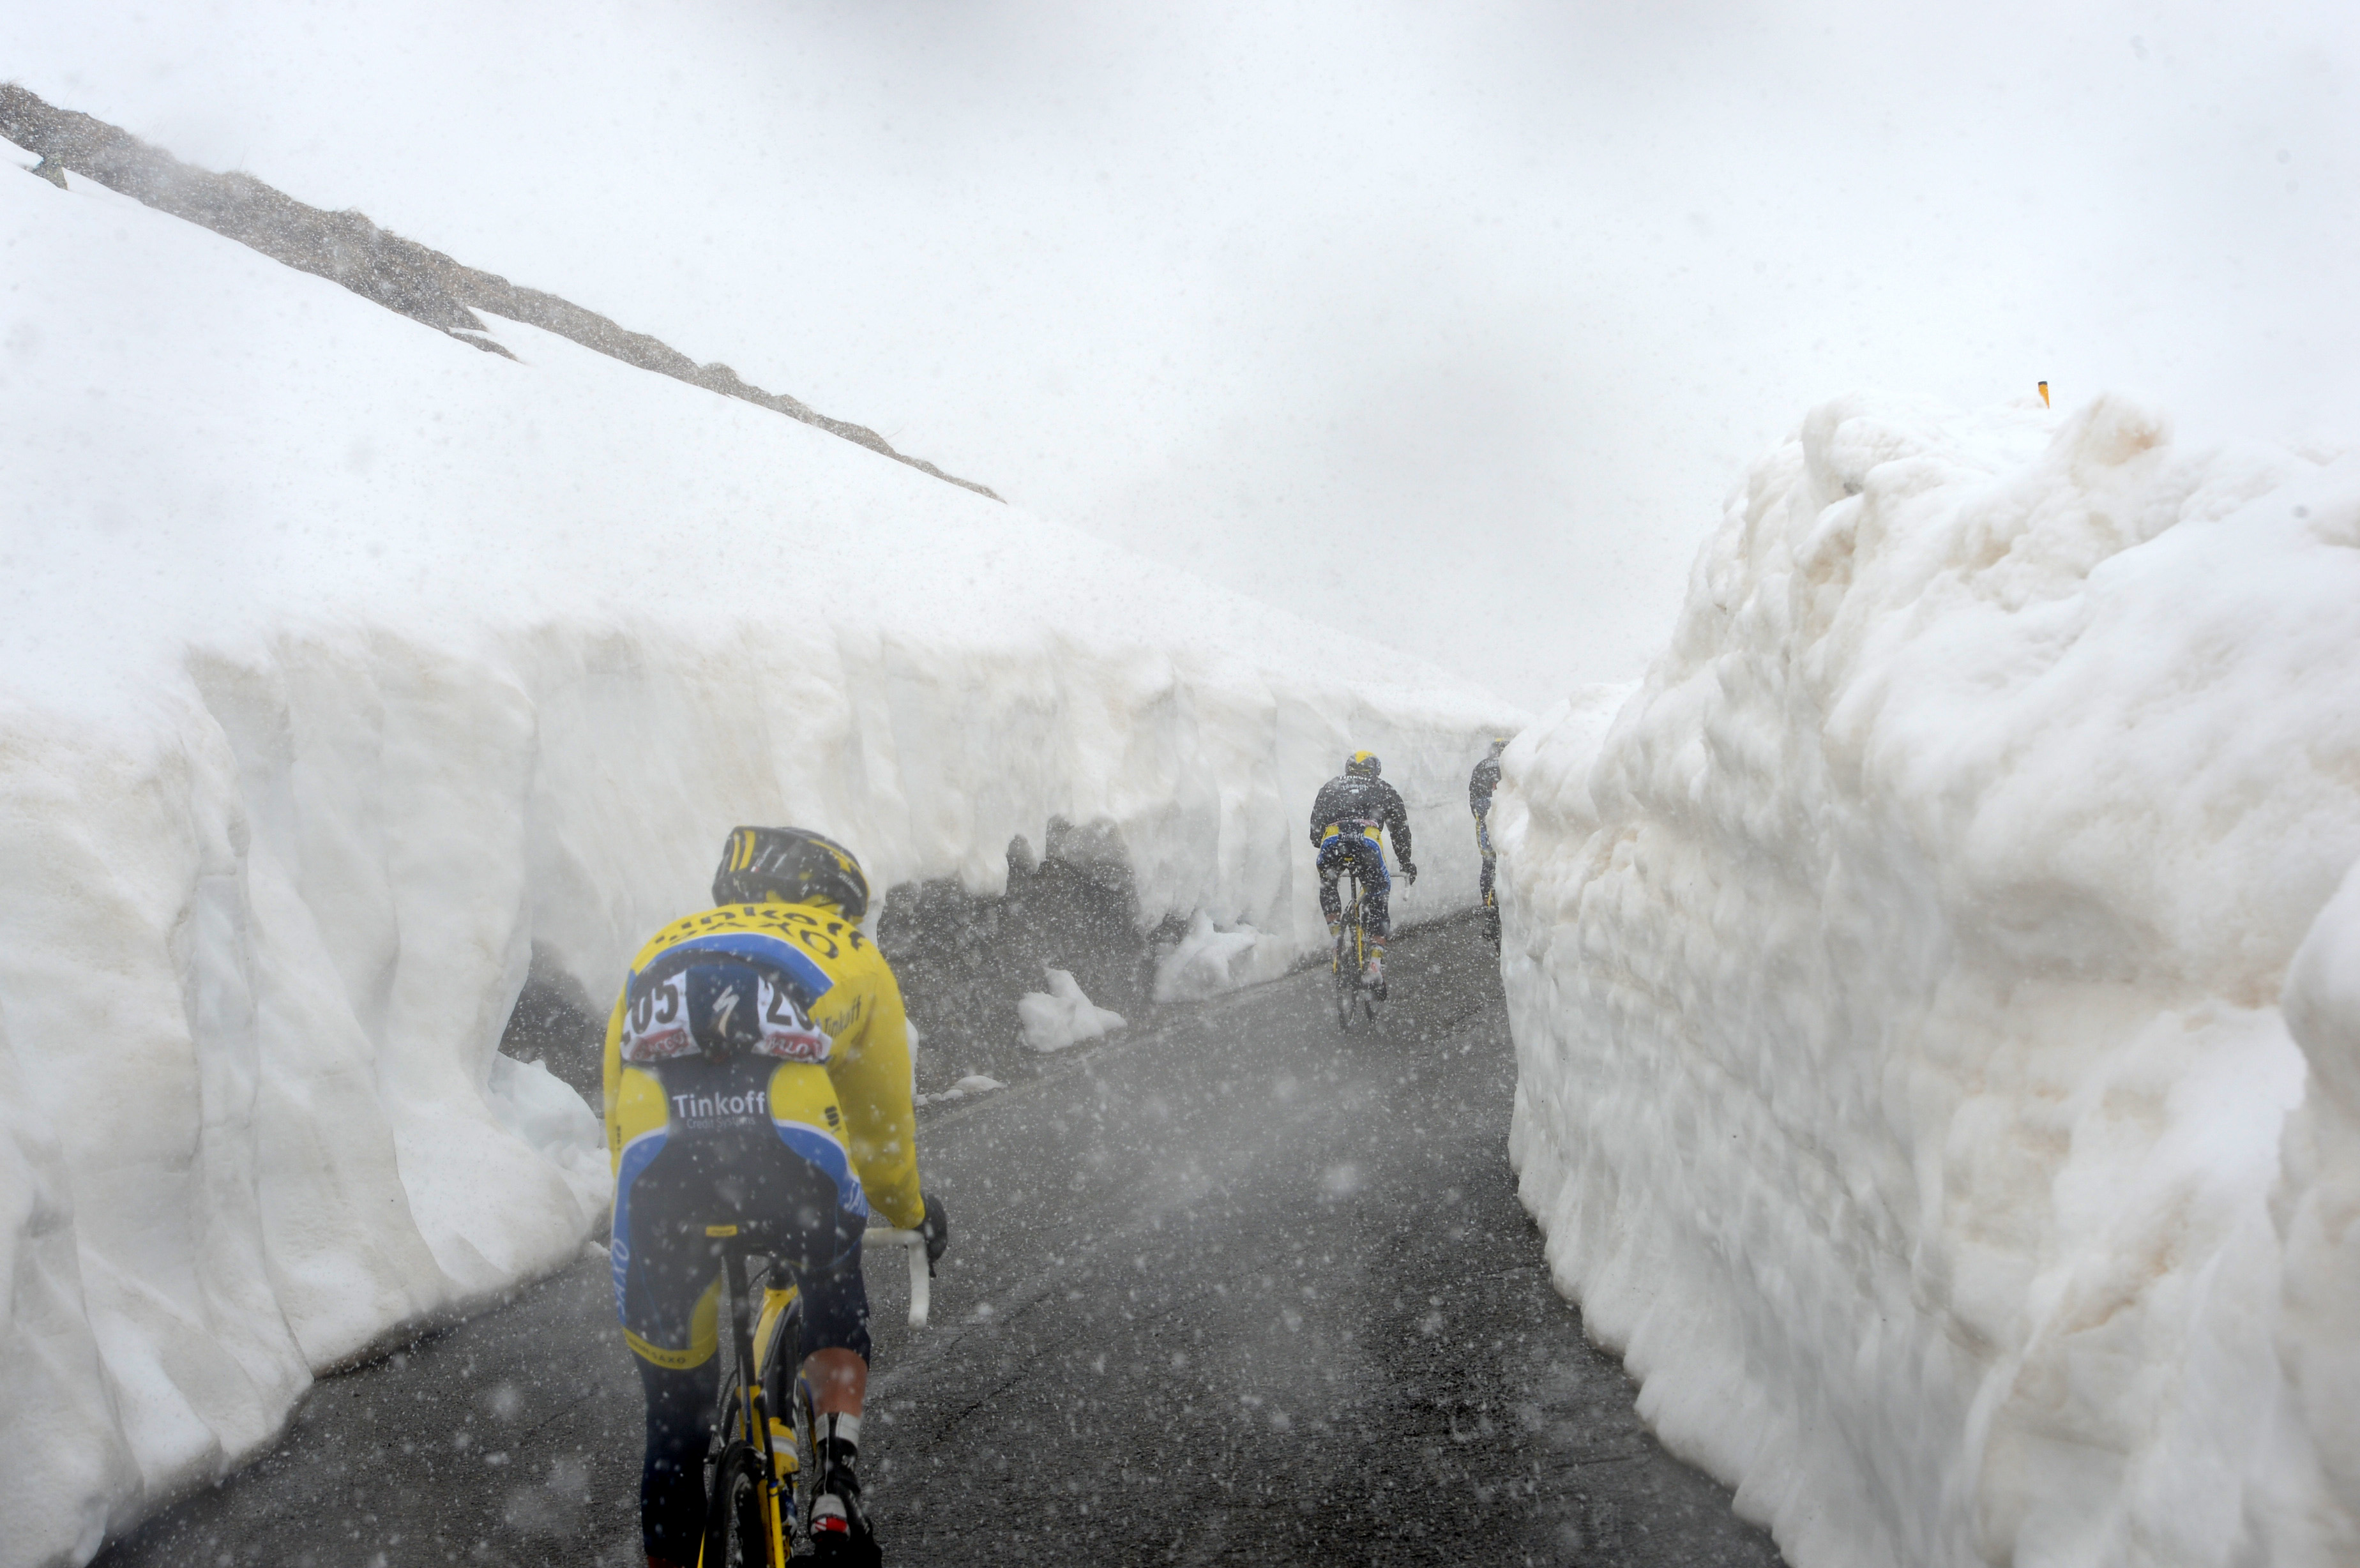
(869, 1065)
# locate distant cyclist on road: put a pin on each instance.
(758, 1073)
(1479, 784)
(1348, 821)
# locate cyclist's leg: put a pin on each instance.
(671, 1475)
(667, 1292)
(1332, 855)
(1376, 889)
(830, 1214)
(835, 1350)
(835, 1344)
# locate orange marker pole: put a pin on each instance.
(2044, 395)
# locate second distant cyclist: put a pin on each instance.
(1348, 822)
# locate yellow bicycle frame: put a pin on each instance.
(760, 1428)
(1360, 933)
(777, 1439)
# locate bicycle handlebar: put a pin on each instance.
(921, 1272)
(742, 1239)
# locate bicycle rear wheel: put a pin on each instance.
(806, 1456)
(1362, 993)
(787, 1399)
(735, 1533)
(1339, 965)
(1343, 963)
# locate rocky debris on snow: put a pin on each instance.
(348, 248)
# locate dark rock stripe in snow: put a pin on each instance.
(348, 248)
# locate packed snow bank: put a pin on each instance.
(2317, 1206)
(1207, 961)
(348, 665)
(1062, 1016)
(1896, 992)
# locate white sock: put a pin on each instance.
(843, 1429)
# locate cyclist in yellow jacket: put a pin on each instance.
(757, 1073)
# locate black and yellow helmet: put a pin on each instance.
(1364, 764)
(791, 863)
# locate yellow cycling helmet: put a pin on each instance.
(1364, 764)
(791, 863)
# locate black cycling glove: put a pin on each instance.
(936, 1228)
(1409, 873)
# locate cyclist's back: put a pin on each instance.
(756, 1074)
(1352, 804)
(833, 1043)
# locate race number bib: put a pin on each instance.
(722, 1009)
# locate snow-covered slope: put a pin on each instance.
(347, 665)
(1903, 1071)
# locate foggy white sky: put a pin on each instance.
(1451, 321)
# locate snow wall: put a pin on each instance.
(347, 665)
(1917, 1077)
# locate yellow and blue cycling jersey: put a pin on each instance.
(757, 1074)
(848, 994)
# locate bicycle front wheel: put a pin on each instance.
(735, 1533)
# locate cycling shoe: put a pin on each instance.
(839, 1532)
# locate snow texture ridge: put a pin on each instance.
(349, 666)
(1913, 979)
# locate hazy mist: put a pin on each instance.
(1451, 322)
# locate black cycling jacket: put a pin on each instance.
(1364, 804)
(1479, 784)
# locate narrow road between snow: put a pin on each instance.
(1233, 1288)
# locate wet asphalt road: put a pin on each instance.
(1232, 1289)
